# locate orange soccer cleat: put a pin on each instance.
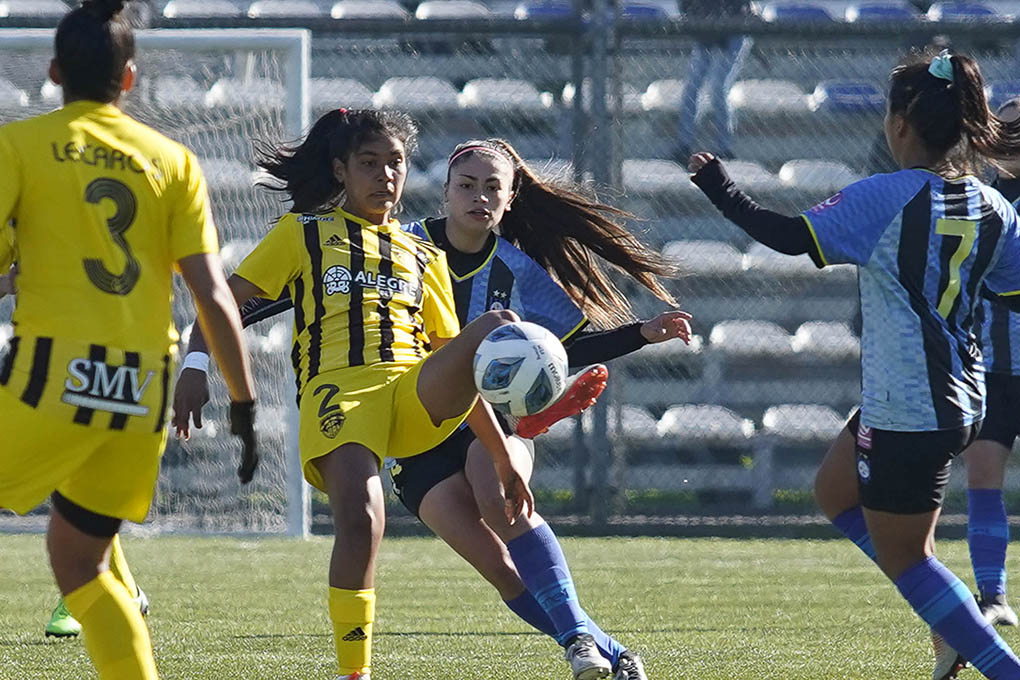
(582, 390)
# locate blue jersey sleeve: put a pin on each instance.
(416, 228)
(847, 226)
(1004, 278)
(548, 305)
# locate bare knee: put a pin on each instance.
(358, 520)
(986, 464)
(495, 318)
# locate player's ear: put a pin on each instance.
(339, 170)
(127, 81)
(55, 72)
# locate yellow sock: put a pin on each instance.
(119, 567)
(352, 613)
(115, 634)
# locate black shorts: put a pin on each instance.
(905, 472)
(1002, 417)
(415, 476)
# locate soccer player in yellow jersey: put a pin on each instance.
(380, 366)
(103, 209)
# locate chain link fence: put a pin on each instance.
(735, 423)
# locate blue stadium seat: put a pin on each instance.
(767, 97)
(999, 91)
(826, 339)
(305, 9)
(35, 9)
(960, 11)
(847, 96)
(368, 9)
(543, 9)
(880, 11)
(643, 11)
(816, 176)
(794, 12)
(187, 9)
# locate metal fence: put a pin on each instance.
(737, 422)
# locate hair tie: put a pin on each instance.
(942, 66)
(342, 111)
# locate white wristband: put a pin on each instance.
(197, 360)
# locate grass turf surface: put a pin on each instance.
(694, 608)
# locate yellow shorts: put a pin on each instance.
(109, 472)
(376, 406)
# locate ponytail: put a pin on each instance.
(943, 98)
(571, 235)
(94, 44)
(304, 171)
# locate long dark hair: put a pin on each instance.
(304, 171)
(952, 117)
(94, 44)
(571, 234)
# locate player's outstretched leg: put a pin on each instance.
(988, 528)
(63, 625)
(115, 634)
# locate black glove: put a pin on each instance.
(242, 423)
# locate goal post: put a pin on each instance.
(216, 91)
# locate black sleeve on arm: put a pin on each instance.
(1011, 302)
(788, 235)
(258, 308)
(598, 347)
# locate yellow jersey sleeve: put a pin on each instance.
(7, 250)
(192, 229)
(10, 191)
(438, 310)
(276, 260)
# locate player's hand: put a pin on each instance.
(668, 325)
(698, 161)
(516, 491)
(190, 395)
(242, 424)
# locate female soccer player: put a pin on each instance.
(104, 208)
(453, 487)
(987, 527)
(927, 239)
(371, 304)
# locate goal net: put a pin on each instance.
(216, 91)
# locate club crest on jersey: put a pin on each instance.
(331, 423)
(339, 279)
(97, 385)
(830, 202)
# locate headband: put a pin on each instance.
(942, 66)
(481, 147)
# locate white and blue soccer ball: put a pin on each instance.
(520, 368)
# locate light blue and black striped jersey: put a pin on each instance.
(924, 246)
(1000, 328)
(502, 276)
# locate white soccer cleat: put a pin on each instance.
(948, 662)
(630, 668)
(585, 660)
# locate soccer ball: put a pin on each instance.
(520, 368)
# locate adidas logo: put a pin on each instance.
(334, 240)
(355, 635)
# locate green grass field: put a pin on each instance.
(694, 608)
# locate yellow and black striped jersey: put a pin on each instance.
(97, 209)
(363, 293)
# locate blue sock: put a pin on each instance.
(530, 611)
(543, 569)
(987, 535)
(945, 604)
(851, 523)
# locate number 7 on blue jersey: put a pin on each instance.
(967, 231)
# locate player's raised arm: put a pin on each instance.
(218, 315)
